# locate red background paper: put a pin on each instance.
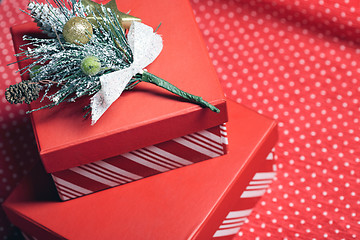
(295, 61)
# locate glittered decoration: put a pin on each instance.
(51, 19)
(94, 59)
(60, 61)
(97, 10)
(77, 30)
(145, 47)
(90, 65)
(23, 92)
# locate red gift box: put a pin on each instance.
(208, 200)
(145, 116)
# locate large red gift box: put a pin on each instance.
(208, 200)
(147, 130)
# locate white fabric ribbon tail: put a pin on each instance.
(146, 46)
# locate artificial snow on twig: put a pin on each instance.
(88, 47)
(60, 61)
(51, 19)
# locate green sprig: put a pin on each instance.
(151, 78)
(72, 67)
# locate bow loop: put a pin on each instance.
(146, 46)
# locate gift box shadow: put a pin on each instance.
(158, 92)
(19, 155)
(79, 112)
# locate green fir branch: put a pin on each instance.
(60, 61)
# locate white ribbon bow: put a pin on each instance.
(146, 46)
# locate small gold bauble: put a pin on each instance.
(77, 30)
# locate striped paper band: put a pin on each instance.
(255, 189)
(85, 179)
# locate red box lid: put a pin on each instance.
(186, 203)
(145, 115)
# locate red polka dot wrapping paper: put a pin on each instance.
(294, 61)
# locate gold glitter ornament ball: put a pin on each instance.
(77, 30)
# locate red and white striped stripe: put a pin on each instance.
(223, 132)
(231, 224)
(203, 142)
(68, 190)
(255, 189)
(131, 166)
(270, 157)
(111, 170)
